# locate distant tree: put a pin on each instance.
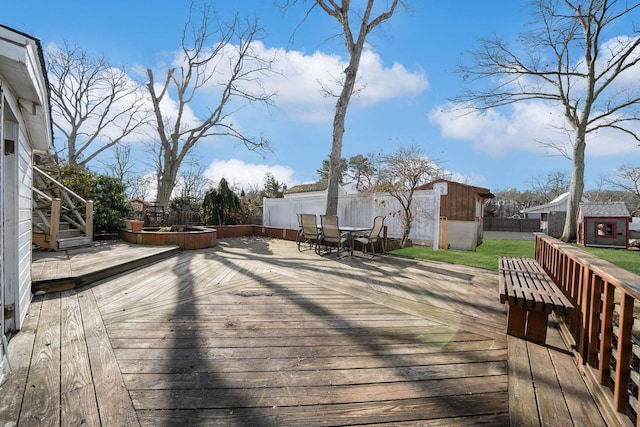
(356, 25)
(95, 106)
(510, 203)
(213, 53)
(219, 204)
(627, 179)
(141, 187)
(565, 60)
(363, 172)
(272, 188)
(402, 172)
(121, 167)
(548, 187)
(191, 181)
(325, 170)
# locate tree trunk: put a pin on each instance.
(576, 188)
(338, 132)
(169, 172)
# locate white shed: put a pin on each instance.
(25, 129)
(552, 215)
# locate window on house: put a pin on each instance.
(606, 229)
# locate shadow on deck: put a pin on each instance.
(253, 332)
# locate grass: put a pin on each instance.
(629, 260)
(487, 254)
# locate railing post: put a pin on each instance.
(623, 363)
(595, 309)
(54, 227)
(606, 334)
(585, 316)
(89, 219)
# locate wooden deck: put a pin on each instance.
(254, 333)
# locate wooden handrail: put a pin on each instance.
(43, 174)
(603, 330)
(69, 210)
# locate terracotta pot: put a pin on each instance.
(134, 225)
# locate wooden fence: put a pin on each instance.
(491, 223)
(606, 342)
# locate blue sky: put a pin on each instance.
(408, 68)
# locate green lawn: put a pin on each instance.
(486, 255)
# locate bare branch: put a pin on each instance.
(95, 106)
(561, 61)
(218, 57)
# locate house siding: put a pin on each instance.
(25, 180)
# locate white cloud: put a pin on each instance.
(247, 175)
(523, 127)
(301, 81)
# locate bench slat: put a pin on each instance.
(524, 283)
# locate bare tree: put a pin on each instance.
(191, 180)
(142, 188)
(223, 57)
(356, 25)
(627, 179)
(121, 167)
(565, 61)
(548, 187)
(94, 105)
(401, 173)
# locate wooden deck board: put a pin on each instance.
(41, 404)
(112, 396)
(256, 333)
(78, 398)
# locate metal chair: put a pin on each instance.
(330, 233)
(308, 232)
(373, 236)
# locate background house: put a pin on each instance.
(603, 224)
(311, 190)
(25, 129)
(552, 215)
(461, 212)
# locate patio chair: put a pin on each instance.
(308, 232)
(330, 234)
(373, 236)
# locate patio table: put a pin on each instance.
(351, 231)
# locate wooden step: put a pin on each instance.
(68, 233)
(74, 242)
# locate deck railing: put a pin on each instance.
(604, 330)
(53, 203)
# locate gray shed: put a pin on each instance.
(603, 224)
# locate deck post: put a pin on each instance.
(623, 364)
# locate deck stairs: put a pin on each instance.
(61, 219)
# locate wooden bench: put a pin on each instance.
(531, 295)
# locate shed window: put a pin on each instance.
(606, 229)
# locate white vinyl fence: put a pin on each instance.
(358, 210)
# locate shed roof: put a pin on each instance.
(305, 188)
(604, 209)
(482, 192)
